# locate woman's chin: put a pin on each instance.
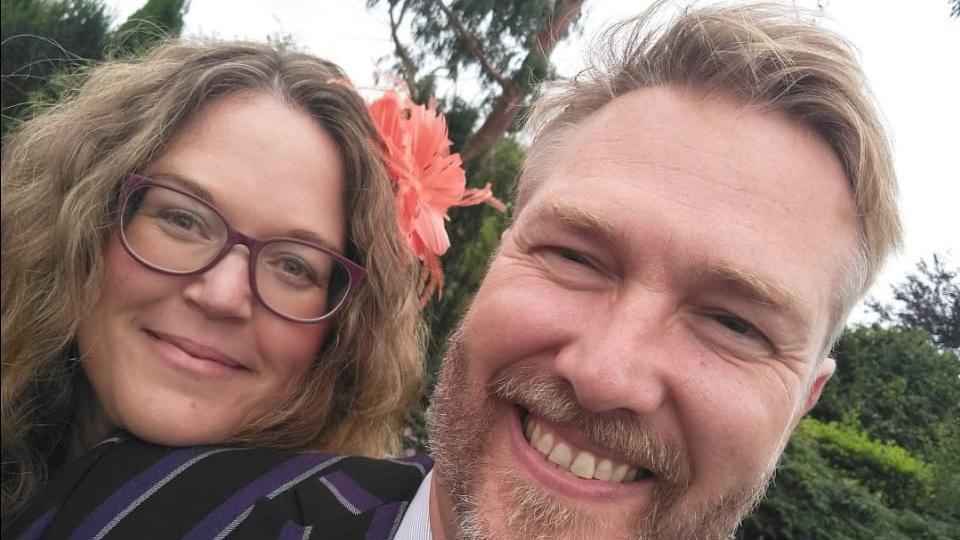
(179, 433)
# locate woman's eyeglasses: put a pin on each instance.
(175, 232)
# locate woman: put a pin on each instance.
(184, 247)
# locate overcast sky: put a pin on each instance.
(910, 51)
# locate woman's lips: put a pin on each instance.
(192, 356)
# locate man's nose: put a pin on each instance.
(224, 290)
(620, 357)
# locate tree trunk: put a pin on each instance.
(507, 106)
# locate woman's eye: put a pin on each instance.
(293, 267)
(182, 220)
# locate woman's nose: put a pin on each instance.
(224, 290)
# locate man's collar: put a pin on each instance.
(415, 524)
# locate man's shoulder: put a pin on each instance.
(129, 488)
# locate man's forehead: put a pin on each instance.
(667, 134)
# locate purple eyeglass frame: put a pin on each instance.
(355, 272)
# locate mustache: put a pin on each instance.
(628, 435)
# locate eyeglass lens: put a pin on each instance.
(175, 233)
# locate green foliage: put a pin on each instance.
(809, 500)
(501, 30)
(901, 480)
(504, 47)
(475, 235)
(155, 21)
(816, 496)
(461, 118)
(882, 461)
(896, 385)
(929, 299)
(40, 38)
(944, 460)
(48, 44)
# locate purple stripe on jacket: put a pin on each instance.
(353, 497)
(293, 531)
(39, 527)
(386, 520)
(226, 517)
(133, 493)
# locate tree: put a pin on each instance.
(893, 385)
(46, 42)
(153, 22)
(41, 38)
(509, 42)
(927, 299)
(835, 482)
(896, 385)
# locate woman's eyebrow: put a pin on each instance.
(192, 186)
(313, 238)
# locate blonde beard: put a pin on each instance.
(460, 420)
(532, 513)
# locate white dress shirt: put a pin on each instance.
(415, 524)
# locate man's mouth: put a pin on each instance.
(578, 461)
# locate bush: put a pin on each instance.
(831, 484)
(901, 480)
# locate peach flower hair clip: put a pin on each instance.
(428, 180)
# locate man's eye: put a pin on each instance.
(736, 324)
(574, 256)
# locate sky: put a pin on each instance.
(910, 52)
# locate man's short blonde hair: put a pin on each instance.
(767, 56)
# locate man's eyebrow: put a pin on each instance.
(759, 289)
(575, 217)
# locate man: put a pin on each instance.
(697, 215)
(696, 218)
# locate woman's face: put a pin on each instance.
(191, 359)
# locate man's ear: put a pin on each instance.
(825, 370)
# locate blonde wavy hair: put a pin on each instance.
(766, 56)
(61, 173)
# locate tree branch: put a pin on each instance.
(409, 68)
(507, 106)
(556, 27)
(471, 42)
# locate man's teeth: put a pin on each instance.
(579, 462)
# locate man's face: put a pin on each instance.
(648, 335)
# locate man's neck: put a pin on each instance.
(442, 522)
